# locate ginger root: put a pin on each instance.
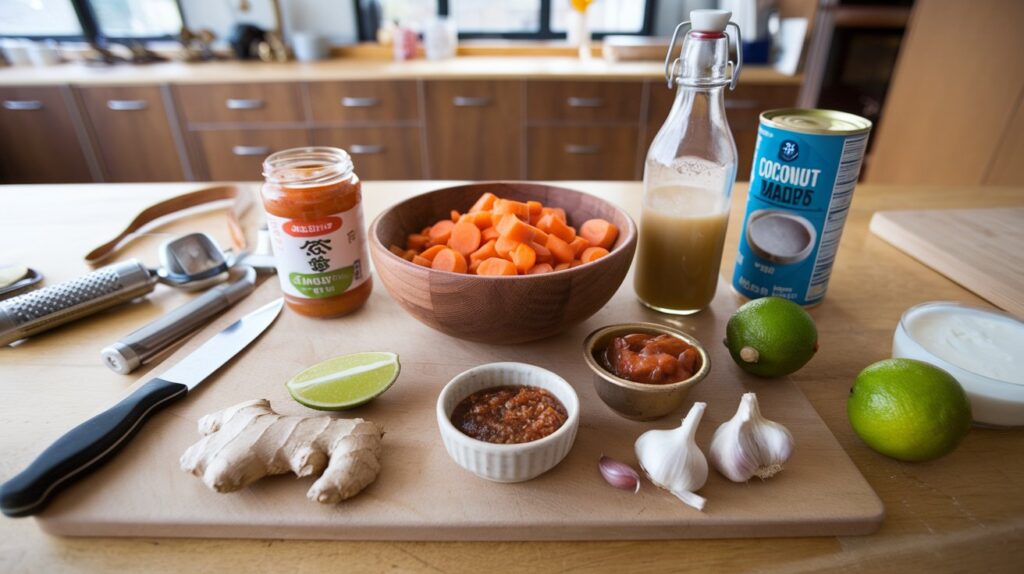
(244, 443)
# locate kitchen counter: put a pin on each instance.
(461, 68)
(964, 512)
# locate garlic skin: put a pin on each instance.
(750, 445)
(672, 460)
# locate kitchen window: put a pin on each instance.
(39, 19)
(89, 19)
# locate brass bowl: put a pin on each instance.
(639, 401)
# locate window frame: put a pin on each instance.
(91, 29)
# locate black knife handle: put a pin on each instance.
(85, 448)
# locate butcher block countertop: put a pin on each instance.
(964, 512)
(460, 68)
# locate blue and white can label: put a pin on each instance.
(806, 166)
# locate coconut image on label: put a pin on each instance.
(780, 237)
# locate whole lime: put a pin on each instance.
(908, 409)
(771, 337)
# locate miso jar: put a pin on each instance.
(313, 201)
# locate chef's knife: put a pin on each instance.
(94, 442)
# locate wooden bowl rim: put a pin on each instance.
(378, 245)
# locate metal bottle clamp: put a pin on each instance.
(671, 66)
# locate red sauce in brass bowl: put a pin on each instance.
(509, 414)
(651, 359)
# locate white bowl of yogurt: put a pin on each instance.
(982, 348)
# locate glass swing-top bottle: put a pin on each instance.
(689, 173)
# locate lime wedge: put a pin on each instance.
(345, 382)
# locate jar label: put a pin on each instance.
(319, 258)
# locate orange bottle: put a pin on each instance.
(313, 201)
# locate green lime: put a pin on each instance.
(771, 337)
(345, 382)
(909, 410)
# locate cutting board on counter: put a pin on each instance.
(421, 494)
(981, 249)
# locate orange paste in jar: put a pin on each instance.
(651, 359)
(313, 202)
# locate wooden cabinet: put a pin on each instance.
(474, 129)
(587, 152)
(39, 137)
(601, 102)
(238, 154)
(381, 152)
(241, 103)
(743, 107)
(132, 133)
(395, 102)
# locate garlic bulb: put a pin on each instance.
(672, 459)
(750, 445)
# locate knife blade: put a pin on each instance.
(92, 443)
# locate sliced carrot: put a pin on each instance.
(496, 266)
(465, 238)
(561, 267)
(539, 235)
(579, 244)
(409, 254)
(599, 232)
(418, 260)
(593, 254)
(517, 208)
(485, 203)
(512, 227)
(575, 263)
(489, 234)
(486, 251)
(540, 268)
(481, 219)
(432, 251)
(560, 250)
(441, 232)
(504, 246)
(543, 253)
(426, 231)
(524, 257)
(450, 260)
(474, 265)
(455, 216)
(397, 250)
(557, 211)
(417, 241)
(555, 226)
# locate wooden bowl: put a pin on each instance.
(501, 310)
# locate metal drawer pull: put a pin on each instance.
(468, 102)
(23, 105)
(575, 102)
(249, 150)
(127, 105)
(360, 102)
(365, 149)
(234, 104)
(741, 104)
(576, 149)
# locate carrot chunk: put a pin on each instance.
(486, 251)
(465, 238)
(397, 250)
(599, 233)
(481, 219)
(485, 203)
(540, 268)
(496, 266)
(517, 208)
(489, 234)
(432, 251)
(543, 253)
(420, 260)
(551, 223)
(523, 257)
(450, 260)
(560, 250)
(408, 254)
(579, 244)
(441, 232)
(504, 246)
(593, 254)
(557, 211)
(417, 241)
(512, 227)
(455, 216)
(561, 267)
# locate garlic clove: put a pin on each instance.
(672, 460)
(750, 445)
(619, 474)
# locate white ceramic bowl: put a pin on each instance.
(993, 402)
(507, 462)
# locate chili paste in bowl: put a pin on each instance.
(509, 415)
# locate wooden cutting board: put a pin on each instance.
(421, 494)
(981, 249)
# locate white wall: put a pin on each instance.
(335, 19)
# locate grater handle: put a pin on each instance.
(46, 308)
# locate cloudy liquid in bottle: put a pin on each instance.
(682, 231)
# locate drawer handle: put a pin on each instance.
(360, 102)
(470, 102)
(23, 105)
(127, 105)
(234, 104)
(577, 149)
(250, 150)
(741, 104)
(575, 102)
(357, 149)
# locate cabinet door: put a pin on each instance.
(38, 137)
(593, 152)
(364, 102)
(240, 103)
(474, 129)
(564, 101)
(378, 152)
(132, 133)
(237, 155)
